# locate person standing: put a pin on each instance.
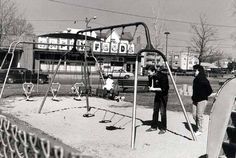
(201, 90)
(159, 84)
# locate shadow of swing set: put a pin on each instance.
(79, 35)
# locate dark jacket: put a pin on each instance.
(160, 80)
(201, 88)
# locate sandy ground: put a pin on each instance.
(64, 120)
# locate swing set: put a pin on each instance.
(148, 48)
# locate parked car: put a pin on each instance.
(21, 75)
(118, 74)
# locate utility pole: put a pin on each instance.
(166, 33)
(187, 57)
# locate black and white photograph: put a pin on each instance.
(117, 79)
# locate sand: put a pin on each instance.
(64, 120)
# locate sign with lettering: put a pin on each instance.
(42, 40)
(106, 47)
(63, 42)
(52, 41)
(131, 49)
(122, 48)
(114, 47)
(96, 46)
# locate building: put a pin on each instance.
(183, 60)
(113, 51)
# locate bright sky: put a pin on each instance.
(176, 15)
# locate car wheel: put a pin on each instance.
(126, 76)
(41, 81)
(10, 80)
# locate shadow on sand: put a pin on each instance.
(149, 122)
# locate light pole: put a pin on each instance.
(187, 57)
(166, 33)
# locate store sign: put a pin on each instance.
(81, 43)
(122, 48)
(96, 46)
(63, 42)
(114, 47)
(105, 47)
(131, 49)
(52, 41)
(71, 43)
(42, 40)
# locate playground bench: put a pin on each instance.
(128, 83)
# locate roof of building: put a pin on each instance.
(124, 36)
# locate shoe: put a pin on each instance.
(162, 131)
(198, 133)
(151, 129)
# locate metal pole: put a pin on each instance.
(38, 73)
(180, 100)
(3, 61)
(187, 58)
(133, 132)
(166, 33)
(9, 67)
(50, 85)
(86, 75)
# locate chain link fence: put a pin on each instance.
(16, 143)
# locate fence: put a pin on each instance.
(15, 143)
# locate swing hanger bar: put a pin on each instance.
(147, 34)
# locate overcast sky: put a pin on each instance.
(175, 15)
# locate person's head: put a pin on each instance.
(199, 70)
(151, 70)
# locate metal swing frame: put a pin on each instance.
(149, 48)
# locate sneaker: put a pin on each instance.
(151, 129)
(162, 131)
(198, 133)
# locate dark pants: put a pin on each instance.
(160, 104)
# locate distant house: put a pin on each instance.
(209, 66)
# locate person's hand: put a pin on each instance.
(212, 95)
(154, 89)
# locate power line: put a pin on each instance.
(136, 15)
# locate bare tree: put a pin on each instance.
(11, 22)
(201, 41)
(158, 30)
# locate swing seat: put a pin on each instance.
(88, 115)
(77, 98)
(105, 121)
(111, 128)
(55, 99)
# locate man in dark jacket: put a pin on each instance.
(201, 90)
(159, 84)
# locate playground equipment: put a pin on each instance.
(222, 123)
(54, 90)
(149, 48)
(76, 89)
(28, 88)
